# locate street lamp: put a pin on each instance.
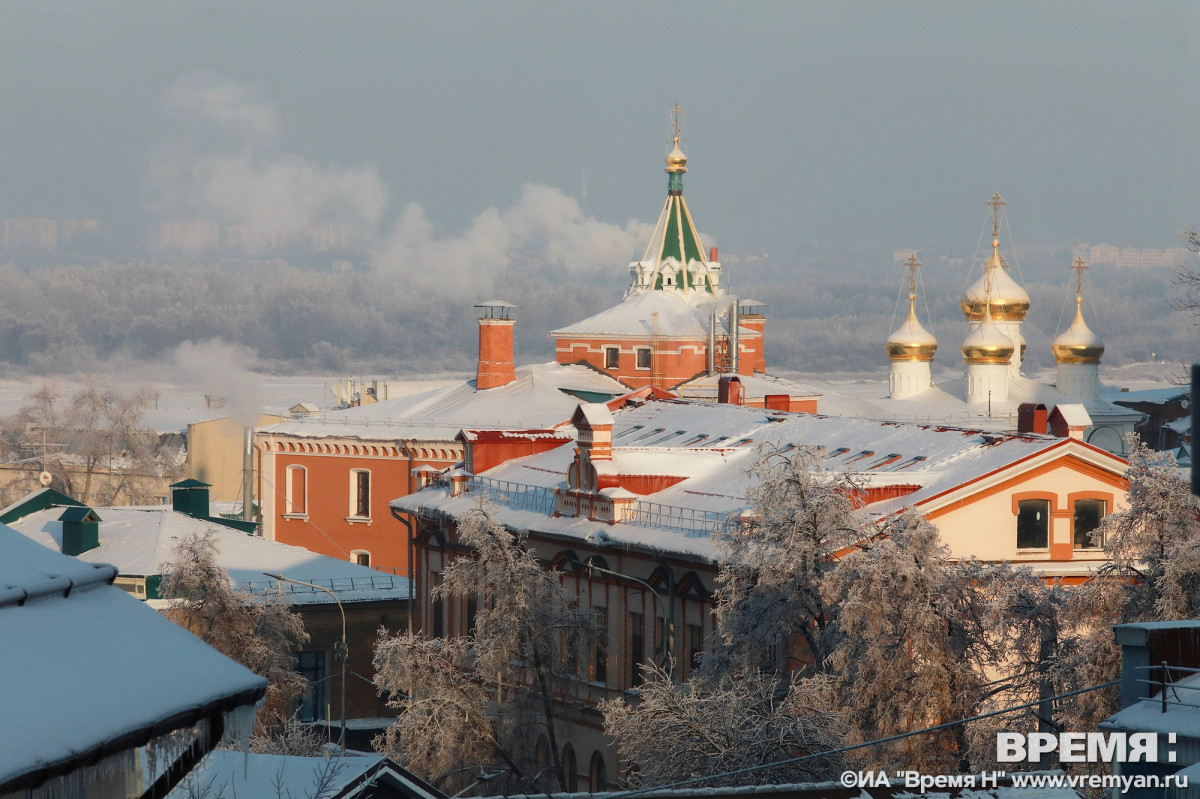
(342, 650)
(488, 777)
(668, 613)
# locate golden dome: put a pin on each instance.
(987, 344)
(1078, 344)
(1009, 302)
(911, 341)
(676, 160)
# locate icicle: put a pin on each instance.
(239, 725)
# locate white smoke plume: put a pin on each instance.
(545, 227)
(220, 371)
(222, 162)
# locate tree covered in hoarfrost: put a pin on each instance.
(771, 582)
(490, 695)
(1154, 575)
(261, 633)
(720, 723)
(913, 646)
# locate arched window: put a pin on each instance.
(570, 769)
(296, 491)
(360, 556)
(598, 774)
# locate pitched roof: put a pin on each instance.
(711, 445)
(139, 540)
(80, 689)
(541, 396)
(635, 318)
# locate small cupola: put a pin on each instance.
(80, 530)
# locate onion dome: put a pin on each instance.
(1009, 302)
(911, 341)
(1078, 344)
(987, 344)
(676, 160)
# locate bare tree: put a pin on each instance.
(97, 447)
(770, 592)
(915, 643)
(720, 723)
(493, 693)
(260, 633)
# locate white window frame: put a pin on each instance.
(353, 514)
(356, 553)
(291, 474)
(638, 359)
(607, 352)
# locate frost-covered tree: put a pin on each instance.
(1154, 574)
(914, 644)
(259, 632)
(492, 694)
(97, 446)
(719, 723)
(772, 609)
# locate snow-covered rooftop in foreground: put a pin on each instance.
(1182, 714)
(232, 774)
(754, 387)
(138, 541)
(677, 318)
(711, 446)
(90, 671)
(542, 395)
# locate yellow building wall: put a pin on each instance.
(214, 455)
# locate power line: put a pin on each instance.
(852, 747)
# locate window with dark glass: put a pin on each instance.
(311, 666)
(472, 612)
(438, 608)
(695, 645)
(600, 649)
(643, 358)
(362, 494)
(637, 647)
(612, 357)
(1088, 515)
(1033, 524)
(362, 557)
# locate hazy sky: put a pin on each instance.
(886, 123)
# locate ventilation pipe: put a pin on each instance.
(710, 364)
(733, 337)
(248, 476)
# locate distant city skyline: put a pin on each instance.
(463, 134)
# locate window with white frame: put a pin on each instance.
(360, 493)
(296, 491)
(643, 357)
(612, 357)
(361, 556)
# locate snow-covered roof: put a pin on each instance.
(1182, 715)
(91, 671)
(754, 387)
(229, 773)
(540, 397)
(711, 445)
(138, 541)
(946, 403)
(1074, 414)
(677, 318)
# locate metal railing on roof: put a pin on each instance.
(338, 585)
(654, 515)
(1168, 688)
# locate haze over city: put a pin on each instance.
(455, 127)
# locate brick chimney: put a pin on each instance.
(594, 424)
(729, 390)
(495, 346)
(1031, 418)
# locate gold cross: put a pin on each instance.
(997, 202)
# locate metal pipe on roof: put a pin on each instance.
(733, 337)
